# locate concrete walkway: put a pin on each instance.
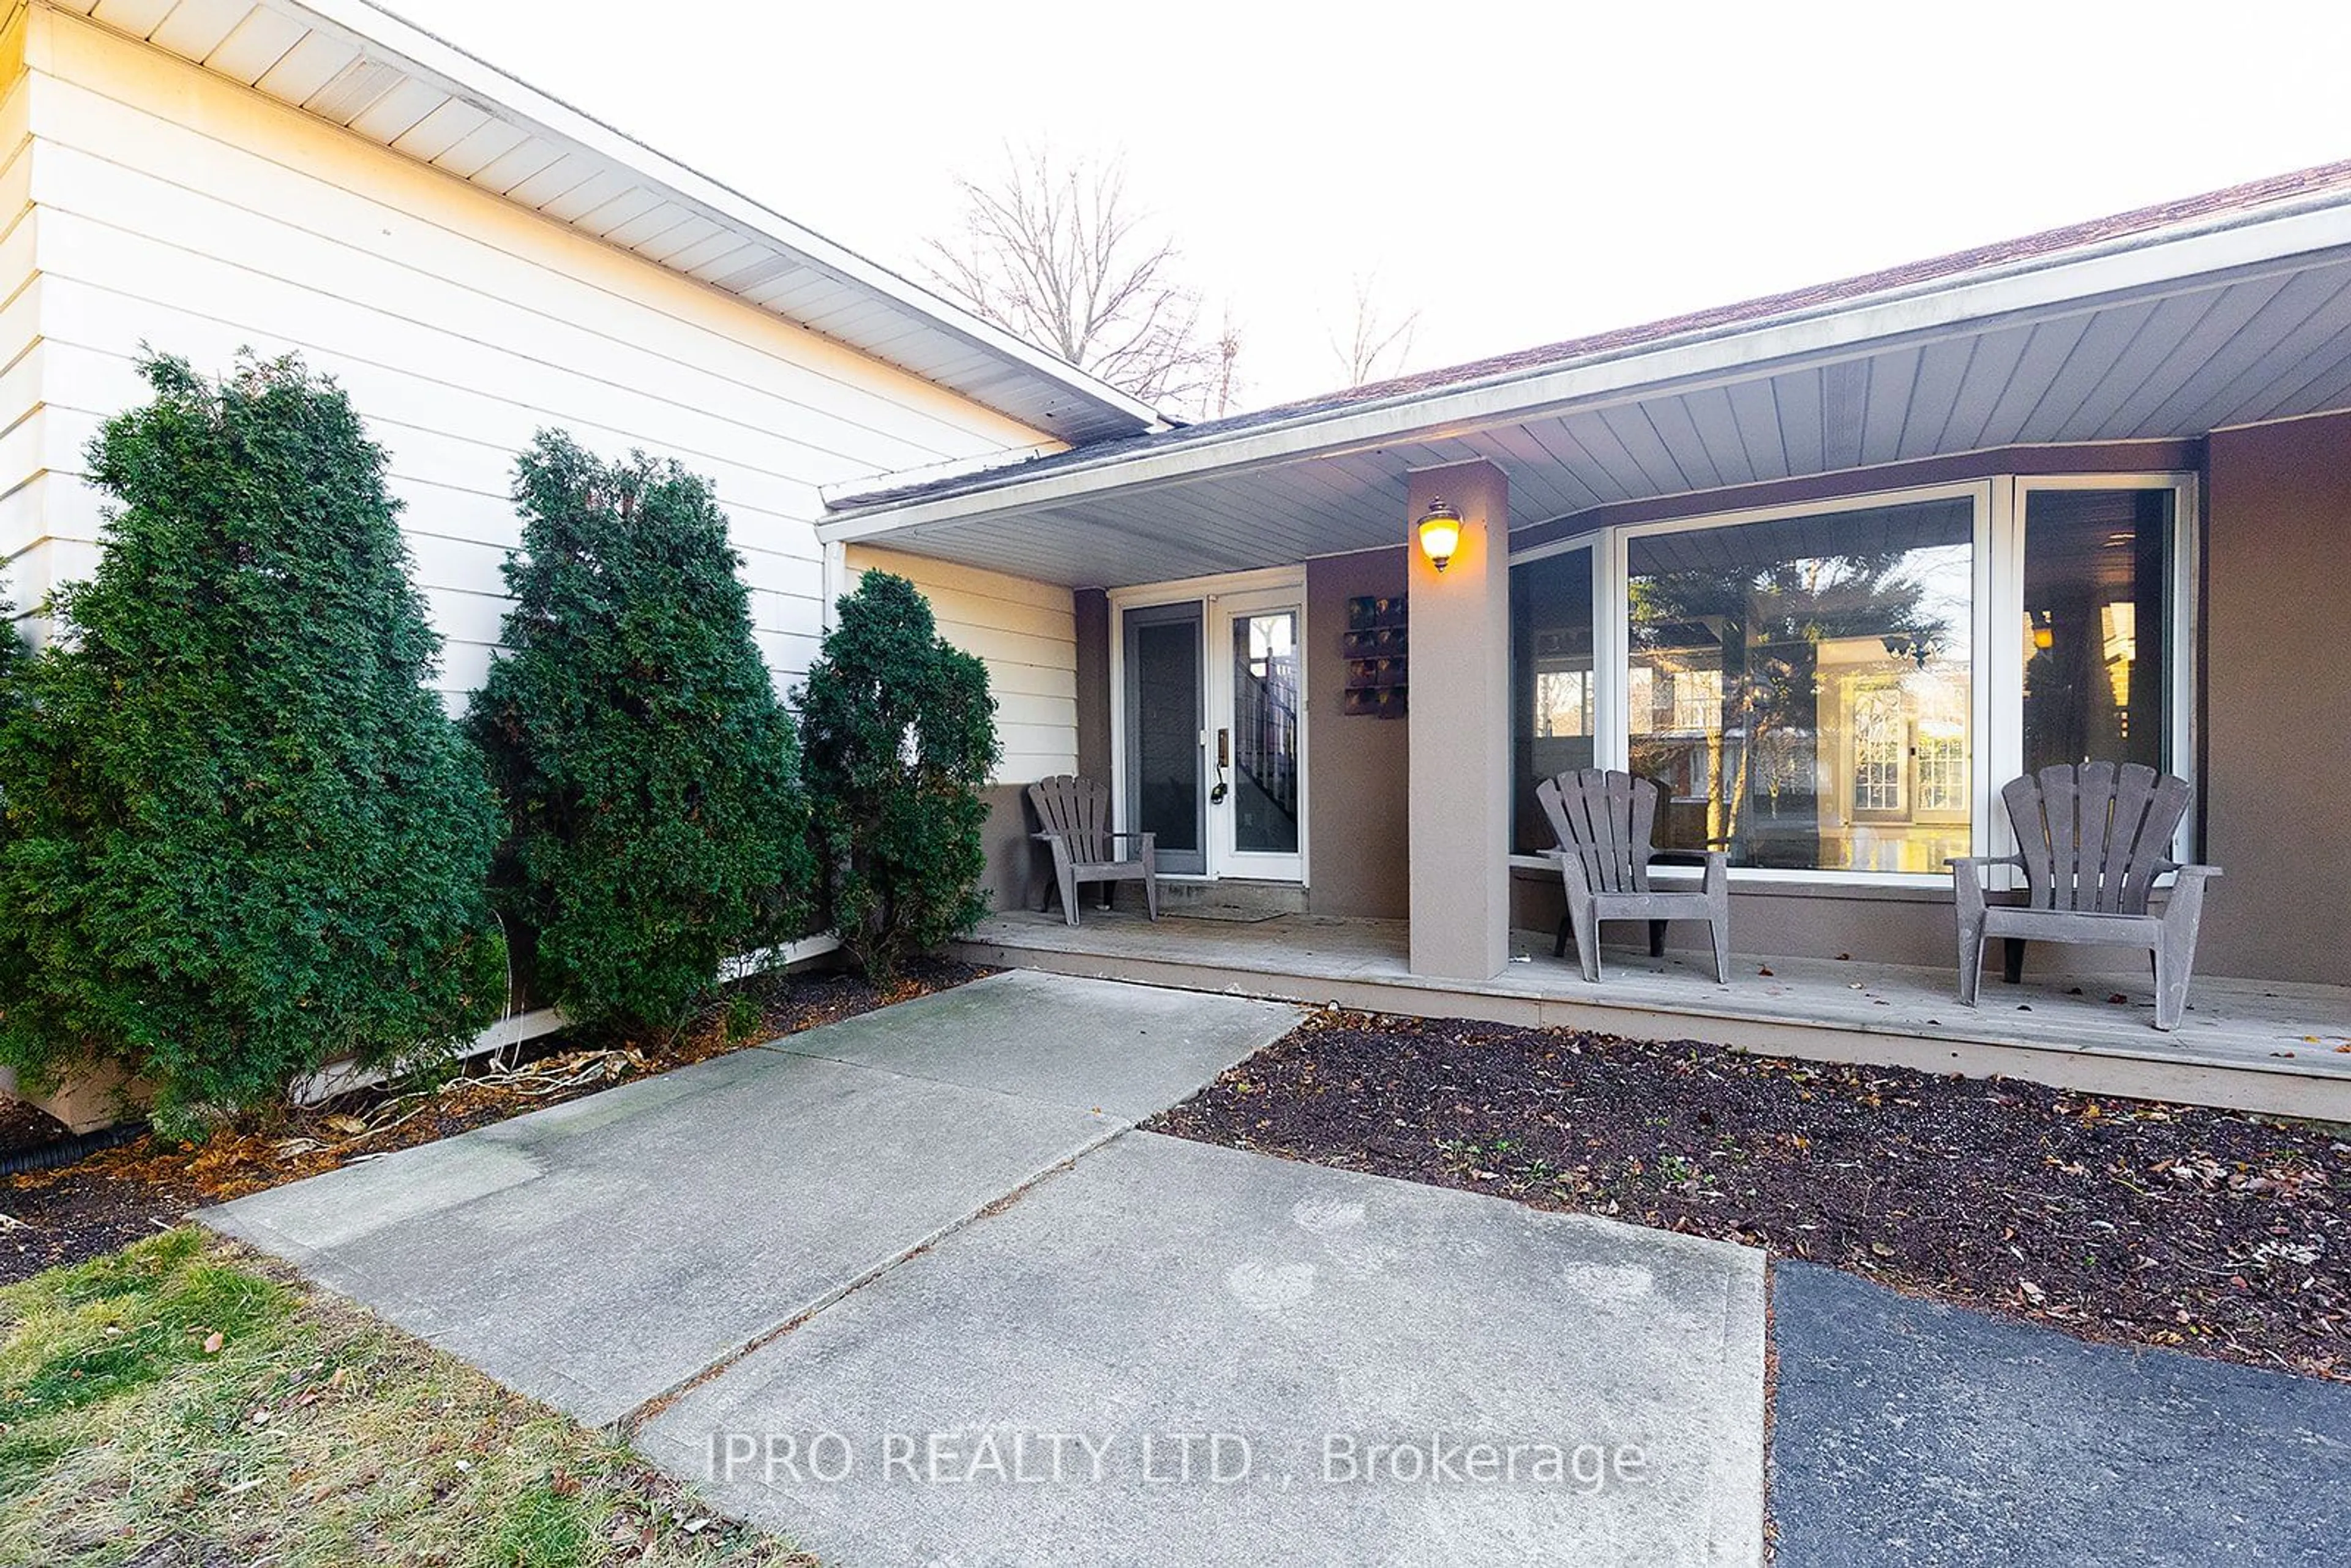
(600, 1253)
(1179, 1354)
(910, 1291)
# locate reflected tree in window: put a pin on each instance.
(1835, 644)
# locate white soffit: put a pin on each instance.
(352, 64)
(2171, 339)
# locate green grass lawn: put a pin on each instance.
(184, 1402)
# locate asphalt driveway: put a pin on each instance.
(1911, 1432)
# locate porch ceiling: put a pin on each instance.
(2169, 339)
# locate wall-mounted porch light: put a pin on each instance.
(1440, 532)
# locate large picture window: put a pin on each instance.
(1812, 663)
(1840, 690)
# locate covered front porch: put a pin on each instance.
(2264, 1046)
(1829, 571)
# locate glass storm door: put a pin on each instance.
(1165, 698)
(1256, 755)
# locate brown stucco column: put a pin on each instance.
(1459, 744)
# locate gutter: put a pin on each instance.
(848, 492)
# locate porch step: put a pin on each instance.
(1232, 898)
(2245, 1045)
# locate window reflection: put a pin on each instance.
(1800, 688)
(1552, 693)
(1265, 733)
(2095, 565)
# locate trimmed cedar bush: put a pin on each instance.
(898, 733)
(657, 827)
(242, 836)
(13, 653)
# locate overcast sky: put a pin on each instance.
(1518, 173)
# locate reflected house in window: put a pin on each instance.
(1901, 767)
(1554, 687)
(1804, 684)
(2097, 571)
(1826, 572)
(1831, 568)
(1800, 687)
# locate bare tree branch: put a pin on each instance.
(1055, 255)
(1373, 348)
(1224, 390)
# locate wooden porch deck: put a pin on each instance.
(2248, 1045)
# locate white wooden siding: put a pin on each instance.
(24, 434)
(160, 204)
(400, 88)
(1027, 634)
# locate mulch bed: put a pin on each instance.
(24, 1126)
(2126, 1221)
(109, 1199)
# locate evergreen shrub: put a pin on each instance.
(656, 823)
(241, 836)
(898, 733)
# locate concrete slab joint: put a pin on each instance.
(600, 1253)
(1250, 1365)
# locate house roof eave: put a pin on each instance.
(909, 327)
(2282, 235)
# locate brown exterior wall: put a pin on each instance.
(1355, 766)
(1911, 926)
(1093, 684)
(2276, 790)
(1016, 873)
(1886, 925)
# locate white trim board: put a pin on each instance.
(343, 1077)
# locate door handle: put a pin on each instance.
(1224, 760)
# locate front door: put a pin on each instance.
(1213, 711)
(1257, 706)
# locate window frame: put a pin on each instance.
(1996, 627)
(1596, 721)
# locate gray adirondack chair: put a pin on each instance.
(1602, 821)
(2094, 838)
(1075, 816)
